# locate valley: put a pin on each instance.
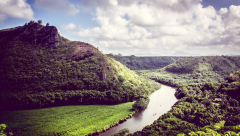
(53, 86)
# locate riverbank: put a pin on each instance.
(71, 120)
(161, 102)
(114, 125)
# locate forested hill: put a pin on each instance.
(202, 109)
(144, 63)
(40, 68)
(196, 70)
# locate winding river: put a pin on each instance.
(161, 102)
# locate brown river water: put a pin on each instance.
(161, 102)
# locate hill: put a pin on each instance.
(202, 109)
(196, 70)
(144, 63)
(40, 68)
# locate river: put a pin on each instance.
(161, 102)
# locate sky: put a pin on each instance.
(136, 27)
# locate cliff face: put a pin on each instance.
(33, 33)
(48, 36)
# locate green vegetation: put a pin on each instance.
(195, 70)
(39, 68)
(66, 120)
(143, 63)
(2, 128)
(141, 104)
(121, 132)
(204, 108)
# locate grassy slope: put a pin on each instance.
(65, 120)
(196, 70)
(143, 63)
(33, 75)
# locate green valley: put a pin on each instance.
(144, 63)
(50, 85)
(202, 109)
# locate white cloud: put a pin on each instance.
(16, 9)
(162, 27)
(70, 26)
(57, 5)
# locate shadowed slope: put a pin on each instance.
(40, 68)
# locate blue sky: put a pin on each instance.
(144, 27)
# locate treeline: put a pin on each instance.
(199, 110)
(143, 63)
(17, 101)
(34, 73)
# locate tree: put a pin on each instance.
(47, 24)
(2, 128)
(40, 21)
(141, 104)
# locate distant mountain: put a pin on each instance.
(232, 55)
(223, 55)
(213, 55)
(146, 54)
(40, 68)
(181, 53)
(143, 63)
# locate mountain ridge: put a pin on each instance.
(144, 62)
(40, 68)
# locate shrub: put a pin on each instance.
(141, 104)
(2, 128)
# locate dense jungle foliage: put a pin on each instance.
(143, 63)
(195, 70)
(40, 68)
(200, 110)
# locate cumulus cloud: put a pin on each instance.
(57, 5)
(70, 26)
(16, 9)
(162, 27)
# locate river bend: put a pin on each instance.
(161, 102)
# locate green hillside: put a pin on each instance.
(40, 68)
(144, 63)
(196, 70)
(202, 109)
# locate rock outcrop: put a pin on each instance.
(33, 33)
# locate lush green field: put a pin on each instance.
(65, 120)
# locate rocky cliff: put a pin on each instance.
(33, 33)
